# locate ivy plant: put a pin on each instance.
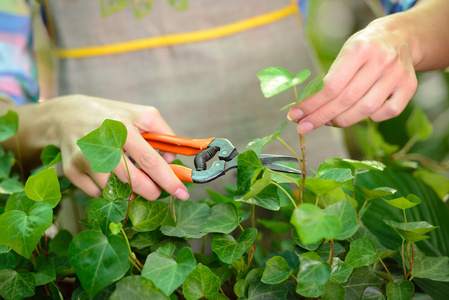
(352, 229)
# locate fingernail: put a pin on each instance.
(181, 194)
(295, 114)
(305, 127)
(329, 123)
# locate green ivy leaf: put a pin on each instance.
(335, 174)
(50, 155)
(19, 201)
(412, 232)
(201, 283)
(103, 212)
(418, 125)
(6, 163)
(312, 269)
(345, 213)
(10, 186)
(190, 218)
(333, 290)
(99, 260)
(116, 189)
(248, 164)
(320, 186)
(268, 198)
(312, 224)
(147, 215)
(275, 80)
(276, 271)
(45, 270)
(361, 278)
(312, 290)
(261, 179)
(314, 86)
(224, 218)
(379, 192)
(228, 249)
(141, 240)
(103, 146)
(115, 228)
(259, 144)
(278, 227)
(22, 230)
(362, 252)
(400, 291)
(438, 182)
(372, 293)
(9, 123)
(59, 245)
(165, 272)
(112, 6)
(433, 268)
(340, 271)
(310, 247)
(8, 259)
(44, 186)
(258, 290)
(16, 285)
(404, 203)
(137, 287)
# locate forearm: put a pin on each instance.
(425, 27)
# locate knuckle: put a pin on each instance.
(368, 107)
(149, 160)
(394, 110)
(332, 88)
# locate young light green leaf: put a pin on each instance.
(137, 287)
(312, 269)
(275, 80)
(340, 271)
(190, 218)
(9, 123)
(314, 86)
(45, 270)
(44, 186)
(268, 198)
(102, 212)
(404, 203)
(201, 283)
(312, 224)
(165, 272)
(19, 201)
(228, 249)
(98, 260)
(379, 192)
(418, 125)
(433, 268)
(320, 186)
(147, 215)
(362, 252)
(344, 211)
(261, 179)
(103, 146)
(310, 247)
(438, 182)
(259, 144)
(224, 218)
(276, 271)
(16, 284)
(22, 230)
(116, 189)
(115, 228)
(412, 232)
(335, 174)
(248, 164)
(400, 291)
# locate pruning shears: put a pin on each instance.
(204, 150)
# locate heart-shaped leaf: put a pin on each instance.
(16, 285)
(147, 215)
(333, 290)
(418, 125)
(45, 270)
(340, 271)
(103, 146)
(59, 245)
(379, 192)
(201, 283)
(362, 252)
(190, 217)
(228, 249)
(312, 269)
(44, 186)
(116, 189)
(433, 268)
(9, 123)
(404, 203)
(276, 271)
(314, 86)
(312, 224)
(103, 212)
(268, 198)
(310, 290)
(400, 291)
(165, 272)
(137, 287)
(344, 211)
(412, 232)
(259, 144)
(248, 165)
(22, 230)
(275, 80)
(224, 218)
(6, 163)
(359, 281)
(98, 260)
(50, 155)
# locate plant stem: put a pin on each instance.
(386, 269)
(131, 188)
(331, 254)
(288, 195)
(253, 218)
(294, 277)
(302, 142)
(241, 228)
(403, 258)
(412, 262)
(405, 219)
(285, 176)
(173, 208)
(292, 151)
(410, 143)
(134, 264)
(132, 256)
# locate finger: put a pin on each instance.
(141, 183)
(393, 106)
(150, 120)
(154, 166)
(368, 105)
(84, 182)
(356, 89)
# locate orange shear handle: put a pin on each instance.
(183, 173)
(176, 144)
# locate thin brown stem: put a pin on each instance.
(412, 262)
(386, 269)
(331, 254)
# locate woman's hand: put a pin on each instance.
(372, 77)
(62, 121)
